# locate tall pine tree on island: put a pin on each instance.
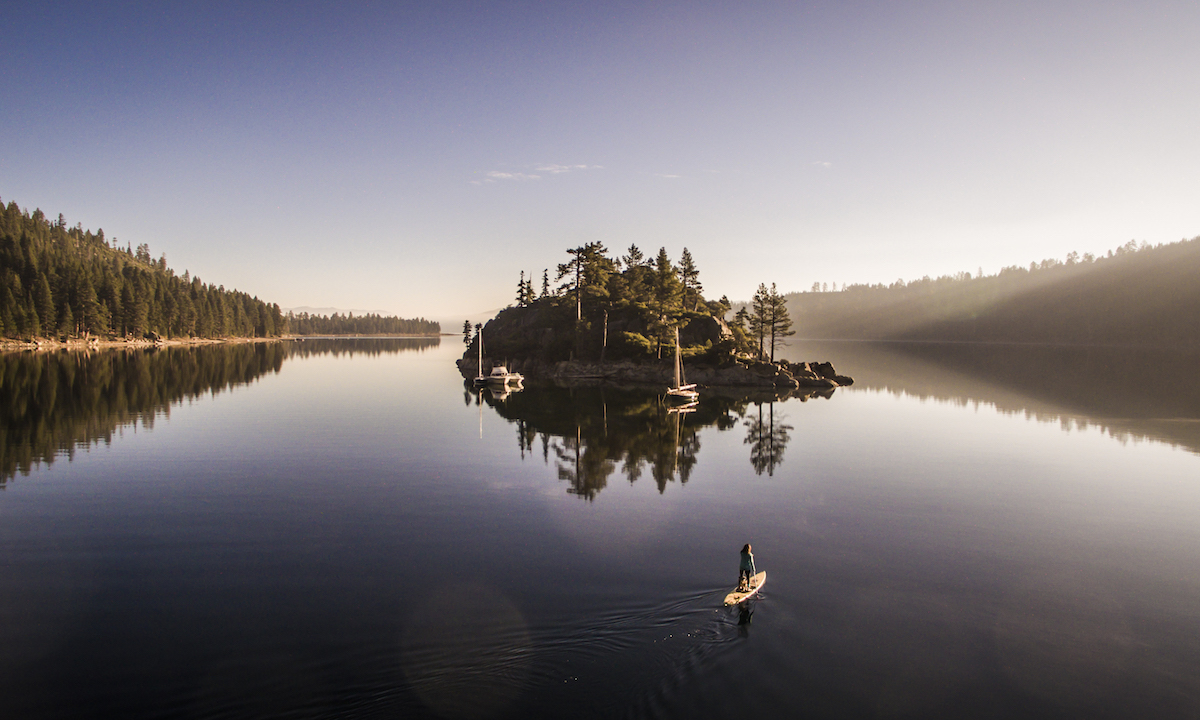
(780, 323)
(689, 278)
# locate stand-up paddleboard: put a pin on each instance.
(756, 584)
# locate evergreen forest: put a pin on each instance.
(599, 307)
(66, 282)
(351, 324)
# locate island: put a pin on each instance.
(621, 319)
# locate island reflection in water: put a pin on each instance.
(590, 432)
(55, 403)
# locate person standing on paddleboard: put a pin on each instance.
(746, 569)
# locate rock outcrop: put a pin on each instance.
(780, 375)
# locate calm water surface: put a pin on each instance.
(342, 529)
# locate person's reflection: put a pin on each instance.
(745, 615)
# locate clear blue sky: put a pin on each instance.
(415, 157)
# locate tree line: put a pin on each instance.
(595, 305)
(67, 282)
(59, 281)
(1138, 294)
(351, 324)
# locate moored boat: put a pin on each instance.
(682, 391)
(501, 375)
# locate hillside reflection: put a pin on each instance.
(54, 403)
(592, 433)
(1129, 393)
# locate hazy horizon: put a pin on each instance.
(415, 158)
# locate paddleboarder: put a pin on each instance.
(746, 568)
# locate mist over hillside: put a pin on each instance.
(1138, 295)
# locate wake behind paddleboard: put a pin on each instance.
(756, 584)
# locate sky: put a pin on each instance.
(414, 158)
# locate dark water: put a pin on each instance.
(342, 529)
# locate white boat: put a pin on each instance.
(501, 376)
(681, 392)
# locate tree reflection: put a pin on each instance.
(53, 403)
(584, 467)
(767, 438)
(589, 433)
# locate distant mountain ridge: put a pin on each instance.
(1138, 295)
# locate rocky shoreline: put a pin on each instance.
(780, 375)
(94, 343)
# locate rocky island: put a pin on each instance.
(617, 320)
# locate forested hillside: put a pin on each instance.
(67, 282)
(57, 281)
(351, 324)
(1136, 295)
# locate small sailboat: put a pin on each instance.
(480, 378)
(500, 376)
(681, 392)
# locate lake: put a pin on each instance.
(342, 528)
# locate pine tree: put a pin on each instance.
(667, 289)
(667, 294)
(689, 277)
(66, 322)
(741, 319)
(760, 306)
(33, 324)
(636, 269)
(527, 289)
(128, 309)
(44, 304)
(589, 268)
(780, 322)
(633, 258)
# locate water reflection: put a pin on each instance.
(371, 347)
(767, 438)
(1129, 393)
(52, 404)
(591, 433)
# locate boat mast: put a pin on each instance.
(678, 381)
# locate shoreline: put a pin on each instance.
(45, 345)
(48, 345)
(779, 375)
